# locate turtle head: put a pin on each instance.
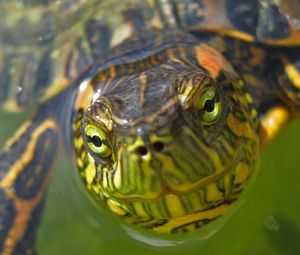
(170, 140)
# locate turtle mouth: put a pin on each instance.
(168, 189)
(168, 186)
(197, 185)
(173, 211)
(203, 182)
(171, 203)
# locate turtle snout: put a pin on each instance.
(143, 150)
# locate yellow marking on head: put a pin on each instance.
(227, 145)
(149, 176)
(78, 142)
(240, 84)
(140, 175)
(90, 173)
(174, 205)
(211, 60)
(105, 119)
(104, 183)
(253, 113)
(292, 73)
(171, 169)
(190, 186)
(242, 172)
(213, 154)
(194, 200)
(110, 175)
(241, 128)
(143, 80)
(171, 54)
(248, 98)
(118, 182)
(273, 120)
(227, 183)
(76, 125)
(115, 207)
(96, 190)
(181, 221)
(137, 143)
(185, 92)
(212, 192)
(101, 76)
(79, 162)
(155, 210)
(139, 209)
(112, 71)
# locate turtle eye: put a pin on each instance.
(209, 106)
(97, 141)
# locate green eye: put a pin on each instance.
(209, 106)
(97, 141)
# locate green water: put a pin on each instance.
(268, 222)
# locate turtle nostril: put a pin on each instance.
(158, 146)
(141, 150)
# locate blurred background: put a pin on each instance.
(267, 222)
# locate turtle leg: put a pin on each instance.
(25, 167)
(287, 85)
(285, 81)
(284, 78)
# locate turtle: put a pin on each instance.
(165, 106)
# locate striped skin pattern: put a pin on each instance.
(23, 182)
(201, 169)
(168, 171)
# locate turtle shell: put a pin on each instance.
(45, 45)
(265, 21)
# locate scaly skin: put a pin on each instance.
(169, 171)
(24, 180)
(168, 168)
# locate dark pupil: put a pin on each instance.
(96, 140)
(209, 105)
